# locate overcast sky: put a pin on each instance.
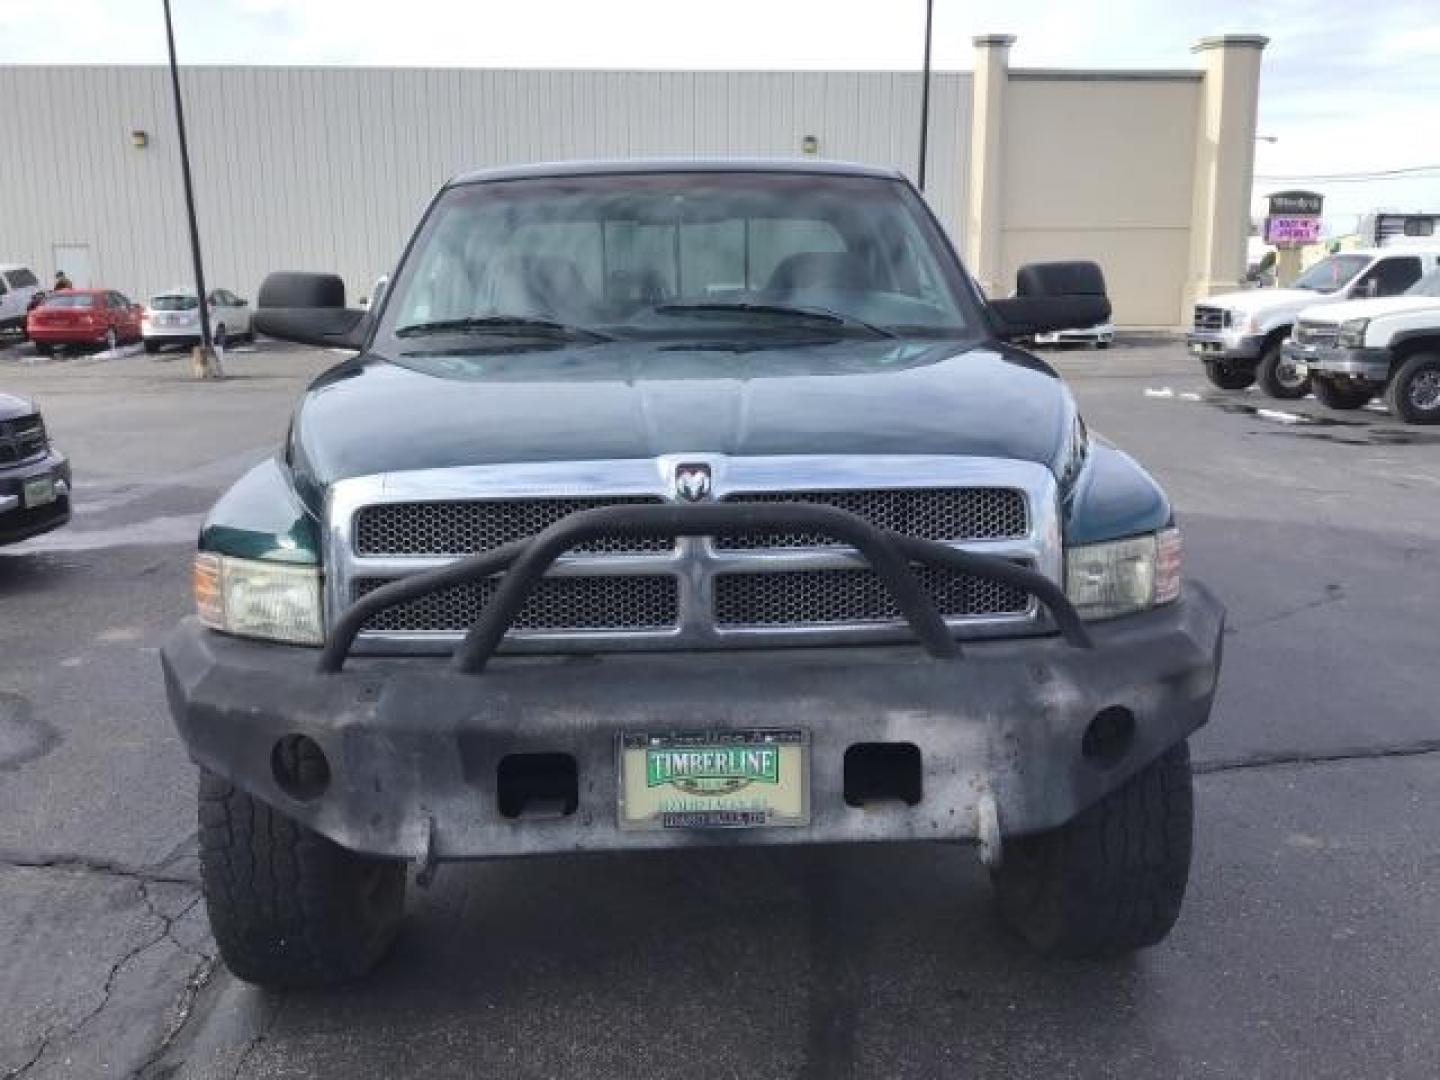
(1347, 86)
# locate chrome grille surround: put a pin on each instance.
(1316, 333)
(1210, 319)
(695, 564)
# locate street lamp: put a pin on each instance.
(207, 365)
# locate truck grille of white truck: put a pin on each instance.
(1209, 320)
(1316, 333)
(756, 589)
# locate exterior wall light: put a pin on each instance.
(809, 145)
(139, 139)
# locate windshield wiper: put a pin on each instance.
(500, 324)
(814, 314)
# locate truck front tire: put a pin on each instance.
(1278, 376)
(1414, 391)
(1334, 395)
(1112, 880)
(1228, 378)
(289, 907)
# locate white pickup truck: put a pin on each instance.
(1355, 350)
(1239, 336)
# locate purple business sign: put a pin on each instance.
(1292, 229)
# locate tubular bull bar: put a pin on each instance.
(524, 562)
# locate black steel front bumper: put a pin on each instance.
(1338, 362)
(1225, 345)
(19, 521)
(415, 745)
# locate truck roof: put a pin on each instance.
(555, 169)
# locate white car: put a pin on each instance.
(18, 287)
(1391, 346)
(1100, 335)
(173, 318)
(1239, 336)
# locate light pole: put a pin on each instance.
(207, 365)
(924, 95)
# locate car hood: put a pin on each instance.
(11, 407)
(1250, 301)
(1370, 309)
(632, 399)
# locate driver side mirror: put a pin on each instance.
(1370, 288)
(1052, 296)
(308, 309)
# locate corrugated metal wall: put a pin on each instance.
(329, 168)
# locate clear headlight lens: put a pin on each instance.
(259, 599)
(1352, 333)
(1121, 577)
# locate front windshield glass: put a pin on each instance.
(1429, 285)
(676, 255)
(1332, 273)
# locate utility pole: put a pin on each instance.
(205, 363)
(924, 94)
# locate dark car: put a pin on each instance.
(101, 318)
(684, 504)
(34, 476)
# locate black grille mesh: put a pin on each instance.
(929, 513)
(471, 526)
(632, 602)
(822, 597)
(21, 439)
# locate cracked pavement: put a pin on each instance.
(1306, 947)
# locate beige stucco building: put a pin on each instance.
(1147, 172)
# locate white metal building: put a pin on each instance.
(329, 168)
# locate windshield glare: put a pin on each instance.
(617, 253)
(1332, 273)
(71, 300)
(173, 302)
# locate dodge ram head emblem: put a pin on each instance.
(692, 483)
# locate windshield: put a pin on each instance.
(1429, 285)
(71, 300)
(678, 255)
(1332, 273)
(173, 302)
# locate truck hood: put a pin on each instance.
(630, 399)
(1370, 309)
(1253, 301)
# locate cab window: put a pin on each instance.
(1389, 277)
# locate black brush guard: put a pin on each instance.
(889, 554)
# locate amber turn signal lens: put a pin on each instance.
(209, 595)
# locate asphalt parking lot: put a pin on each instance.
(1307, 947)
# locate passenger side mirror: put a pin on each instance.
(1052, 296)
(309, 309)
(1370, 288)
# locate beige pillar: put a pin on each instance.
(1224, 165)
(984, 206)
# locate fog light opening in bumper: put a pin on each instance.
(300, 768)
(1110, 735)
(537, 786)
(883, 772)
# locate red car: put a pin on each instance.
(100, 317)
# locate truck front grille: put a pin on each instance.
(830, 597)
(21, 439)
(466, 527)
(1316, 333)
(929, 513)
(1210, 319)
(641, 602)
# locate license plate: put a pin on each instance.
(1302, 369)
(1198, 349)
(748, 779)
(39, 492)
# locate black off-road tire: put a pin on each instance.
(1418, 373)
(1334, 395)
(287, 906)
(1274, 380)
(1228, 378)
(152, 347)
(1112, 880)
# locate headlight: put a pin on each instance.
(1124, 576)
(1352, 333)
(259, 599)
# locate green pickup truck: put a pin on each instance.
(673, 504)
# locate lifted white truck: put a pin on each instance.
(1354, 351)
(1239, 336)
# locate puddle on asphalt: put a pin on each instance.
(1361, 432)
